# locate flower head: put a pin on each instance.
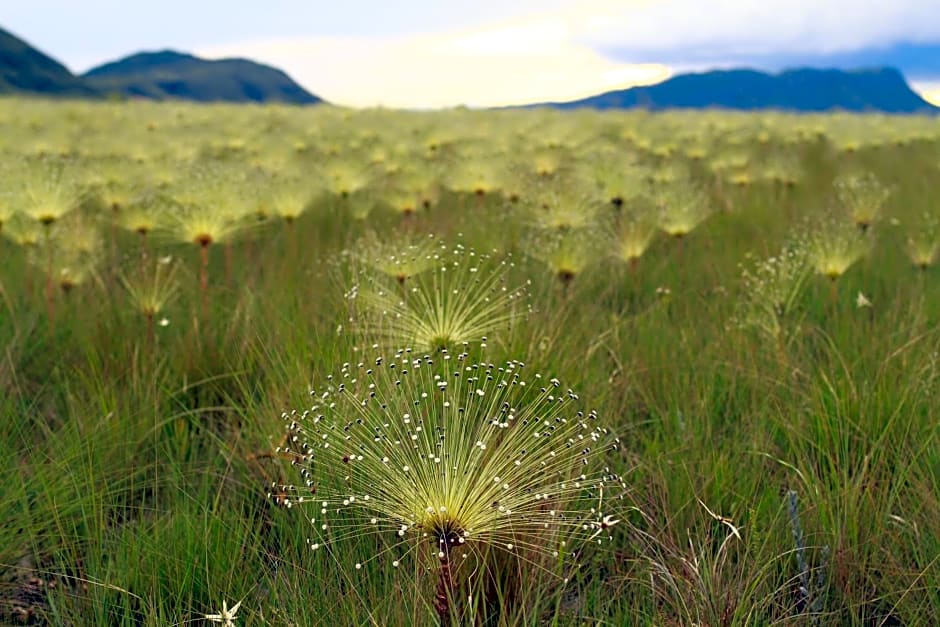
(227, 616)
(151, 285)
(923, 240)
(213, 205)
(633, 231)
(682, 207)
(834, 246)
(863, 196)
(442, 453)
(565, 253)
(49, 192)
(464, 297)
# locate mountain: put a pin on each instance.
(875, 90)
(917, 61)
(154, 75)
(25, 69)
(175, 75)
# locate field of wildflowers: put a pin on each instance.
(313, 366)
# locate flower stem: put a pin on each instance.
(204, 280)
(50, 288)
(150, 334)
(445, 587)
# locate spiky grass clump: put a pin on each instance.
(440, 458)
(464, 297)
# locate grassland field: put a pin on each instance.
(750, 302)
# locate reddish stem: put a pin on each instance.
(204, 279)
(50, 287)
(150, 335)
(445, 587)
(229, 261)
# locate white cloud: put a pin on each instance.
(558, 53)
(762, 26)
(929, 91)
(524, 60)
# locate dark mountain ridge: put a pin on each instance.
(162, 75)
(805, 89)
(25, 69)
(169, 74)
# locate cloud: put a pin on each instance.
(929, 91)
(529, 59)
(574, 48)
(686, 30)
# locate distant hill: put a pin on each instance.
(917, 61)
(876, 90)
(174, 75)
(25, 69)
(154, 75)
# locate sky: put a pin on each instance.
(438, 53)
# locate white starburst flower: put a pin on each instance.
(227, 616)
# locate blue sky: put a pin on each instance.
(426, 53)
